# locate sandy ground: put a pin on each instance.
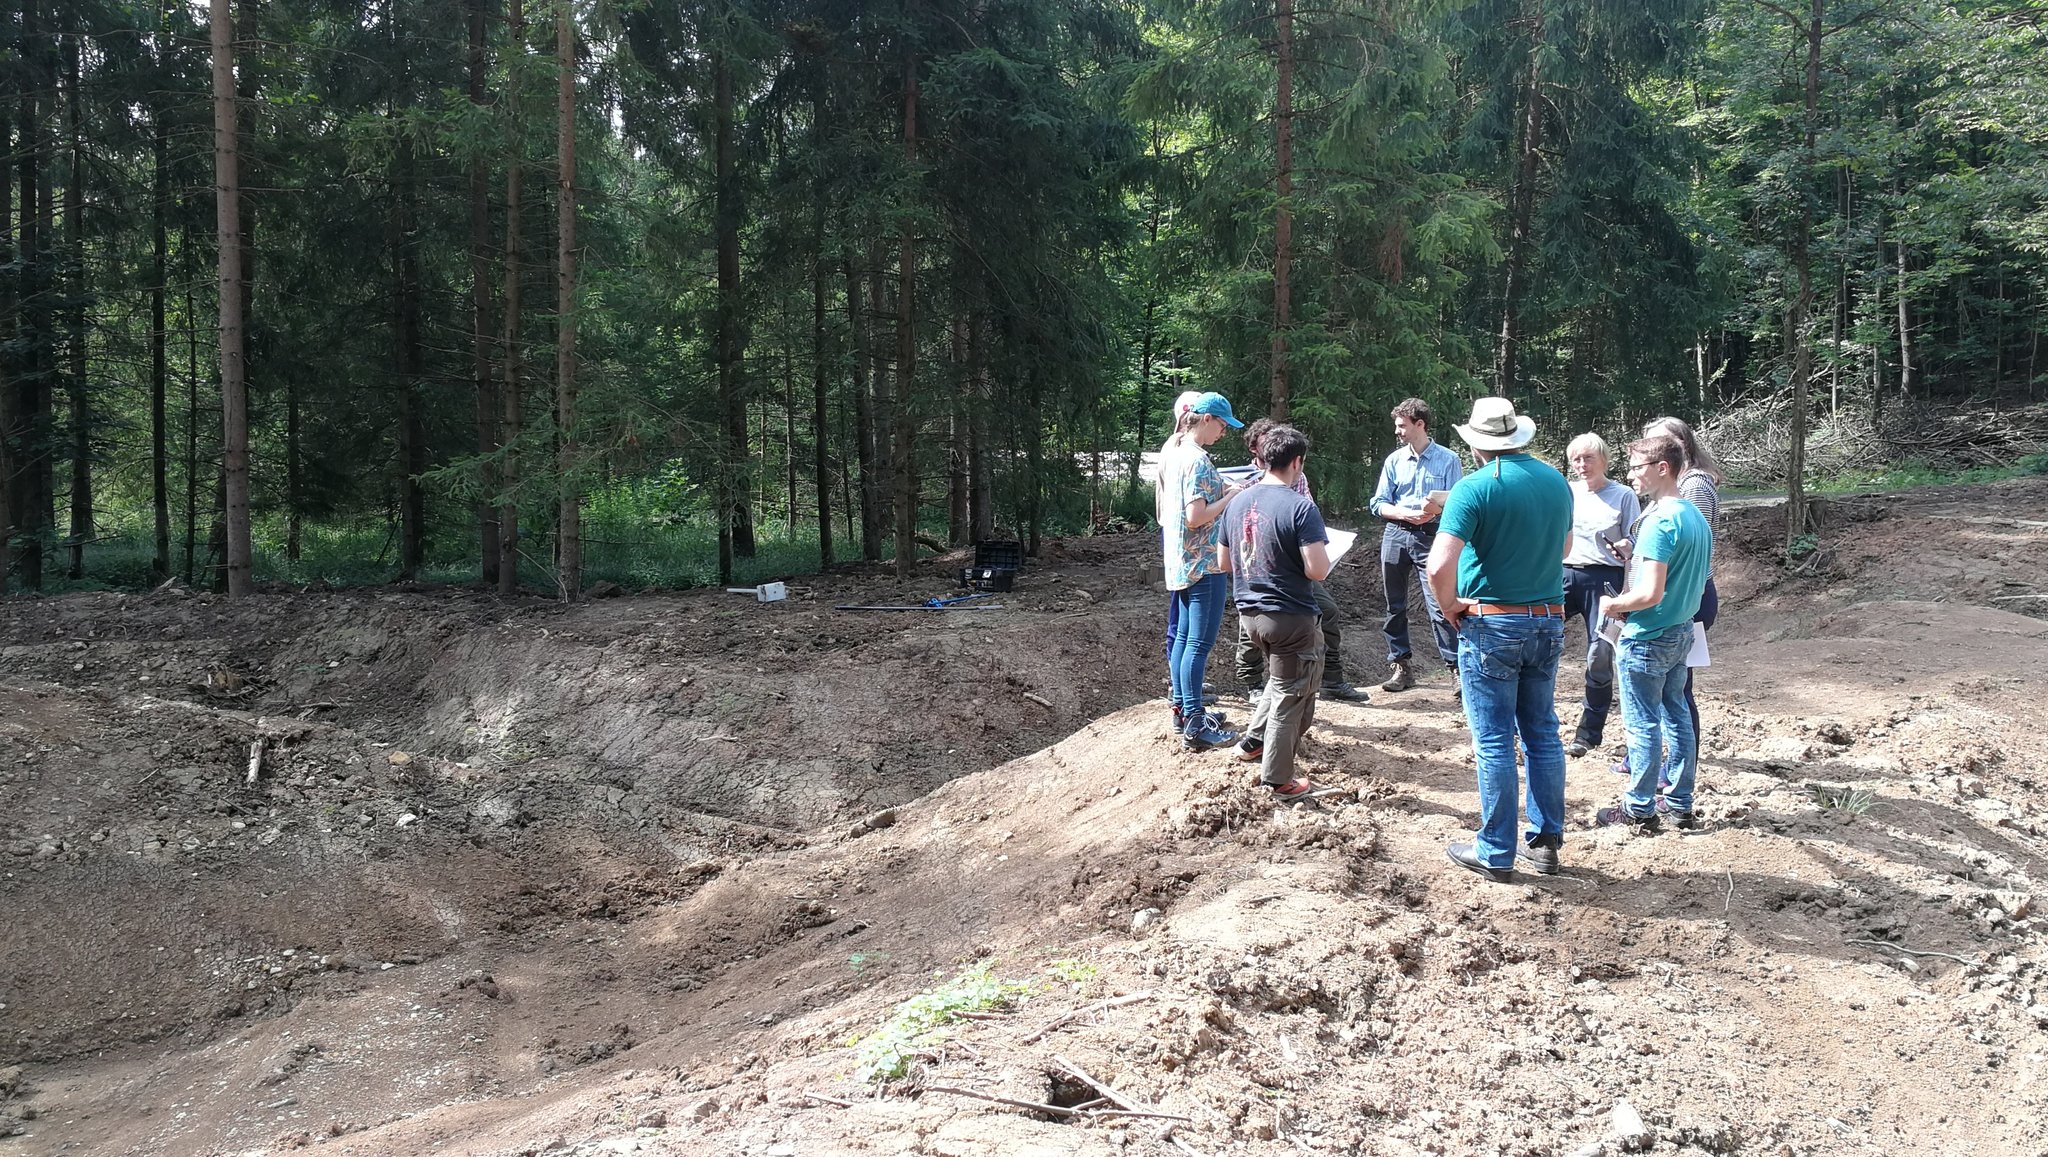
(636, 876)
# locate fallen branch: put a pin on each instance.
(1035, 1106)
(1730, 897)
(256, 757)
(1077, 1014)
(1041, 700)
(1113, 1096)
(828, 1100)
(1890, 947)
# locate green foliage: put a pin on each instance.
(886, 1053)
(1847, 801)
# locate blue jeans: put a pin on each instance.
(1507, 666)
(1199, 615)
(1404, 551)
(1653, 676)
(1583, 586)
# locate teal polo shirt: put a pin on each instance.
(1676, 534)
(1514, 514)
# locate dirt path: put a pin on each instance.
(628, 878)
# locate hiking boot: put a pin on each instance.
(1542, 854)
(1467, 856)
(1684, 821)
(1205, 736)
(1575, 749)
(1250, 749)
(1345, 691)
(1402, 678)
(1212, 718)
(1619, 816)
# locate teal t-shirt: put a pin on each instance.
(1676, 534)
(1514, 514)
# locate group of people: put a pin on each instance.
(1505, 557)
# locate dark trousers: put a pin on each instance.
(1292, 649)
(1251, 665)
(1404, 551)
(1710, 609)
(1583, 586)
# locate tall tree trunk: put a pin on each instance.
(863, 420)
(1151, 329)
(789, 441)
(821, 459)
(1802, 306)
(511, 395)
(486, 385)
(30, 500)
(1521, 215)
(884, 407)
(906, 351)
(190, 276)
(735, 524)
(10, 331)
(570, 524)
(1283, 213)
(980, 475)
(958, 527)
(74, 311)
(410, 359)
(234, 388)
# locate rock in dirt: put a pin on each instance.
(653, 1119)
(701, 1110)
(1145, 919)
(1629, 1129)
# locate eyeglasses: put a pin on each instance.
(1633, 467)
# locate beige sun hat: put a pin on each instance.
(1496, 426)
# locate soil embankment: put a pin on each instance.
(628, 876)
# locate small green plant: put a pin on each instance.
(1802, 546)
(1853, 801)
(885, 1054)
(1071, 971)
(860, 962)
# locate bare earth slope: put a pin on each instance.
(629, 876)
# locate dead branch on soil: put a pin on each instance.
(1041, 700)
(256, 757)
(1055, 1110)
(828, 1100)
(1890, 947)
(1077, 1014)
(1114, 1097)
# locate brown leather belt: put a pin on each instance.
(1547, 609)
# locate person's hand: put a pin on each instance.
(1430, 509)
(1607, 601)
(1623, 548)
(1455, 612)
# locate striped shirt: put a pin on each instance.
(1697, 487)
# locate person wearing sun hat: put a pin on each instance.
(1192, 495)
(1494, 567)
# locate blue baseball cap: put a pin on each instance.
(1216, 406)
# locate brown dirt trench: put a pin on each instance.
(631, 876)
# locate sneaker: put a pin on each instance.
(1206, 736)
(1212, 718)
(1543, 857)
(1618, 816)
(1249, 750)
(1684, 821)
(1467, 856)
(1575, 749)
(1345, 691)
(1402, 678)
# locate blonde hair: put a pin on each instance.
(1590, 441)
(1184, 422)
(1697, 456)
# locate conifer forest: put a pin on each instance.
(542, 293)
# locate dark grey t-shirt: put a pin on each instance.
(1264, 530)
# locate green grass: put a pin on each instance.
(1915, 473)
(923, 1020)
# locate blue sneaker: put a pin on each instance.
(1202, 735)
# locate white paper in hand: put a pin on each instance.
(1697, 657)
(1341, 542)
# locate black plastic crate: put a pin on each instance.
(987, 578)
(996, 554)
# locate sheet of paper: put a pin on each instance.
(1341, 541)
(1697, 657)
(1610, 630)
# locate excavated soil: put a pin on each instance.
(647, 874)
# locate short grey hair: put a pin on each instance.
(1593, 442)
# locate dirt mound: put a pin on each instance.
(1848, 958)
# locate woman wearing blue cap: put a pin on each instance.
(1191, 498)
